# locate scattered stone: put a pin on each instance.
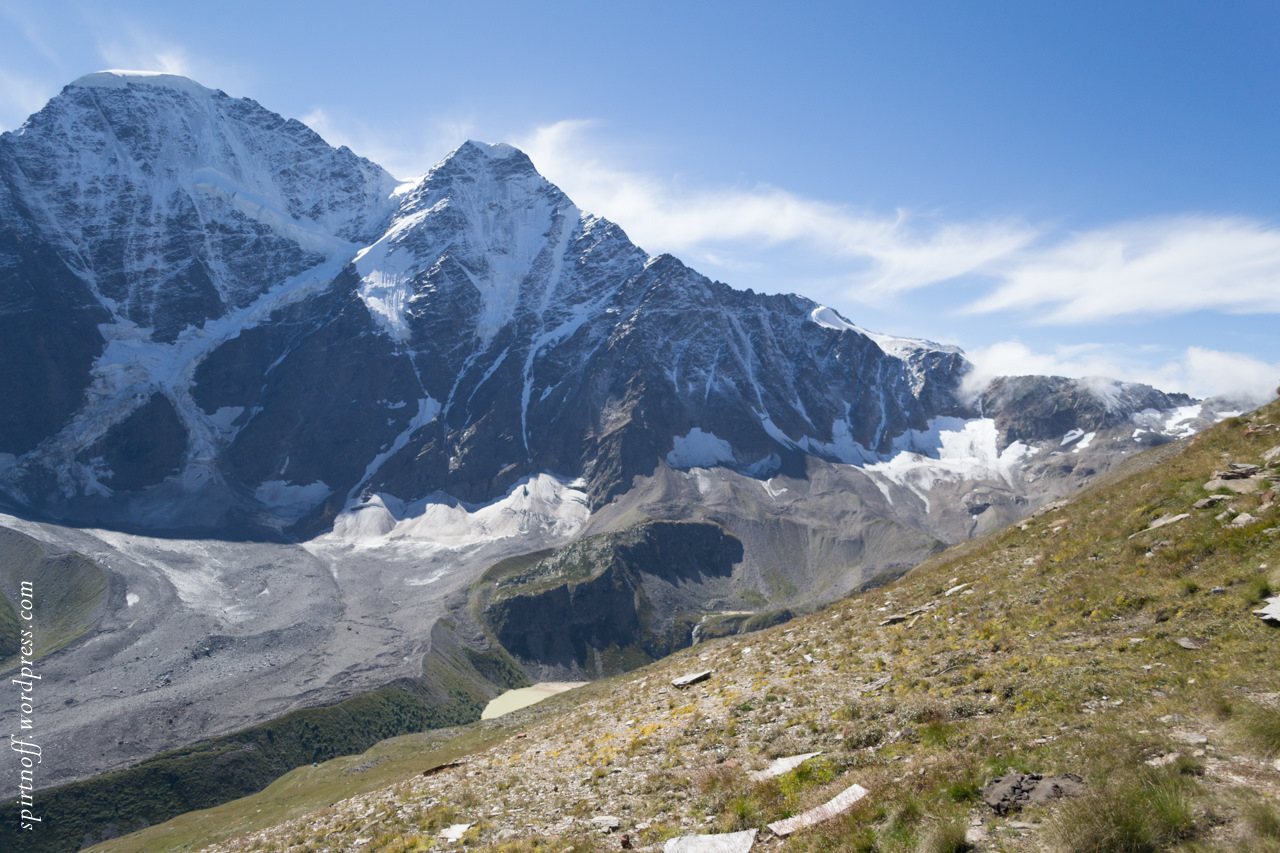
(732, 842)
(1184, 736)
(976, 834)
(956, 589)
(605, 823)
(1272, 455)
(1014, 790)
(1271, 531)
(1271, 612)
(454, 832)
(903, 617)
(876, 685)
(1241, 520)
(837, 805)
(1210, 502)
(1238, 471)
(1164, 760)
(1217, 590)
(781, 765)
(691, 679)
(1188, 643)
(1162, 521)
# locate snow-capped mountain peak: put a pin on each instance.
(288, 333)
(119, 79)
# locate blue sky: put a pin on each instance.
(1083, 188)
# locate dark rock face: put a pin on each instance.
(586, 609)
(323, 338)
(142, 450)
(48, 331)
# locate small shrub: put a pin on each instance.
(944, 837)
(1258, 727)
(1258, 589)
(1138, 813)
(1262, 820)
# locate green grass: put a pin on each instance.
(70, 594)
(1258, 727)
(1131, 813)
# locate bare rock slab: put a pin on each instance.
(781, 765)
(454, 832)
(691, 679)
(732, 842)
(1014, 790)
(837, 805)
(1270, 612)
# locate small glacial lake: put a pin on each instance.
(514, 700)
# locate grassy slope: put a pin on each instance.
(70, 592)
(1061, 656)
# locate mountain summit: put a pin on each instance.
(214, 319)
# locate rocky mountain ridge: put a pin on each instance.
(241, 328)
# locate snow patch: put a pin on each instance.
(1178, 422)
(1085, 442)
(131, 598)
(120, 79)
(1071, 436)
(894, 345)
(699, 449)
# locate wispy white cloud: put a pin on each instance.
(1197, 371)
(1159, 267)
(135, 49)
(887, 254)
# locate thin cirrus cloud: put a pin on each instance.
(1167, 266)
(1160, 267)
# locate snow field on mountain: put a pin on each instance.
(543, 507)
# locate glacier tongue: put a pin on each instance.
(542, 509)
